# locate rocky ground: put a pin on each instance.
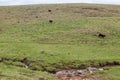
(79, 74)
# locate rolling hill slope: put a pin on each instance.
(72, 41)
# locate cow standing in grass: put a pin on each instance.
(49, 10)
(100, 35)
(50, 21)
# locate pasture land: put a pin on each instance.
(69, 42)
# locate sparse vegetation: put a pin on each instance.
(71, 41)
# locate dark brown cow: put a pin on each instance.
(102, 35)
(49, 10)
(50, 21)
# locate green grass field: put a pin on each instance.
(70, 42)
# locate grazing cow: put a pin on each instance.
(50, 21)
(102, 35)
(49, 10)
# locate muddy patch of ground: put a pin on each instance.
(85, 74)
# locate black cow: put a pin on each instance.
(49, 10)
(50, 21)
(101, 35)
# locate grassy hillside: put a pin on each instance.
(71, 41)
